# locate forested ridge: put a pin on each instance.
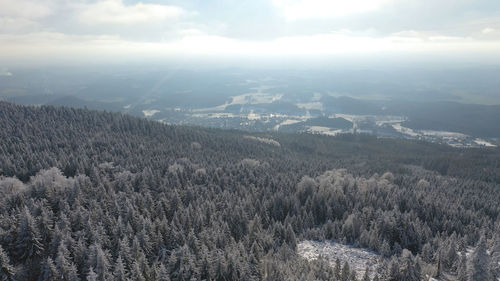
(89, 195)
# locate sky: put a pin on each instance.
(98, 30)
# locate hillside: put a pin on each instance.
(90, 195)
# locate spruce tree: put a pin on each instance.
(477, 265)
(6, 269)
(462, 268)
(119, 271)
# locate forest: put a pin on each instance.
(94, 195)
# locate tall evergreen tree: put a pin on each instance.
(119, 271)
(29, 243)
(477, 265)
(462, 268)
(6, 269)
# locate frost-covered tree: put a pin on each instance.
(345, 273)
(477, 264)
(462, 268)
(119, 270)
(49, 271)
(91, 275)
(29, 243)
(439, 265)
(409, 270)
(66, 269)
(385, 249)
(163, 273)
(99, 261)
(6, 269)
(392, 271)
(338, 269)
(494, 270)
(450, 255)
(366, 275)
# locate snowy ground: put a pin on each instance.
(482, 142)
(404, 130)
(286, 122)
(359, 259)
(150, 113)
(311, 105)
(323, 131)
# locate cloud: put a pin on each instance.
(24, 9)
(5, 72)
(307, 9)
(17, 25)
(99, 29)
(487, 30)
(46, 45)
(115, 12)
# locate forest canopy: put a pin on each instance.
(89, 195)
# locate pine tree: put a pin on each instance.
(66, 269)
(6, 269)
(29, 243)
(462, 268)
(337, 270)
(344, 275)
(136, 272)
(451, 255)
(495, 258)
(385, 249)
(408, 270)
(366, 275)
(49, 271)
(119, 272)
(437, 274)
(352, 276)
(99, 261)
(163, 273)
(392, 272)
(290, 237)
(477, 265)
(91, 275)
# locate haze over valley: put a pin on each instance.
(439, 105)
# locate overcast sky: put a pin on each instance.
(69, 29)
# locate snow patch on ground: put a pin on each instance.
(396, 120)
(484, 143)
(245, 99)
(286, 122)
(150, 112)
(358, 258)
(324, 131)
(311, 105)
(255, 98)
(443, 134)
(263, 140)
(215, 115)
(404, 130)
(253, 116)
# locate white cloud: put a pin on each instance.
(487, 30)
(306, 9)
(48, 45)
(24, 9)
(17, 25)
(115, 12)
(5, 72)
